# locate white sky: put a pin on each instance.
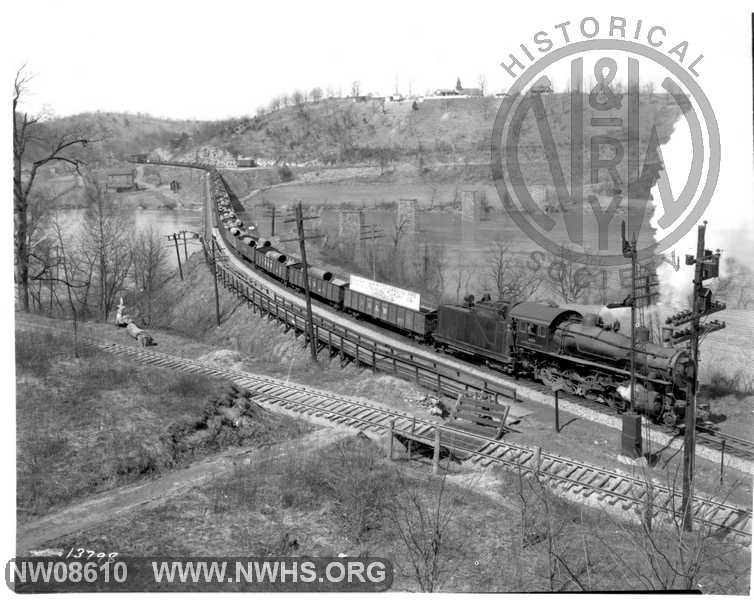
(222, 58)
(213, 59)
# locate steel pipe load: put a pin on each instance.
(275, 255)
(248, 240)
(320, 273)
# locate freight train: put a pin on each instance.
(563, 347)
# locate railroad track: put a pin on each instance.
(566, 475)
(435, 375)
(708, 436)
(729, 444)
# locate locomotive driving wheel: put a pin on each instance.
(669, 418)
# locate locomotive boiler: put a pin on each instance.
(569, 350)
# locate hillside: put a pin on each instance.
(435, 130)
(120, 134)
(341, 131)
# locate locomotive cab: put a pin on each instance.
(535, 325)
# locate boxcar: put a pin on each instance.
(419, 324)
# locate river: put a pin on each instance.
(164, 222)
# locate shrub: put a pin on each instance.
(724, 384)
(285, 173)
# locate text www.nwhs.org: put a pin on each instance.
(269, 571)
(238, 573)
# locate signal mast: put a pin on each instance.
(706, 266)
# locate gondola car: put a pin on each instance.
(272, 262)
(418, 324)
(245, 246)
(321, 283)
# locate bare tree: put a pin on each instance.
(509, 275)
(149, 258)
(298, 98)
(355, 86)
(569, 280)
(106, 237)
(482, 82)
(464, 273)
(316, 94)
(68, 281)
(667, 557)
(422, 521)
(32, 138)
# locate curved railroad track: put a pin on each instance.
(439, 374)
(567, 476)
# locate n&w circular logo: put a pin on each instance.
(570, 166)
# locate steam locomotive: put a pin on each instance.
(570, 350)
(564, 348)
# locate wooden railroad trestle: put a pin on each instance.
(353, 347)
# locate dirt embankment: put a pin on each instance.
(92, 422)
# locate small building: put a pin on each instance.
(462, 91)
(246, 162)
(120, 180)
(541, 89)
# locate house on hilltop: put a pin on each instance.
(459, 91)
(462, 91)
(120, 180)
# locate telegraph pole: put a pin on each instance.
(214, 280)
(633, 322)
(372, 232)
(299, 219)
(302, 247)
(177, 253)
(185, 248)
(684, 327)
(271, 213)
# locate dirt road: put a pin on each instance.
(105, 506)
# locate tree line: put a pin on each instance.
(80, 274)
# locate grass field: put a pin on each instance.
(491, 533)
(94, 422)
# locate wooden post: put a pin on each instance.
(689, 442)
(178, 255)
(214, 281)
(185, 247)
(436, 454)
(410, 441)
(538, 459)
(557, 413)
(390, 440)
(722, 462)
(302, 247)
